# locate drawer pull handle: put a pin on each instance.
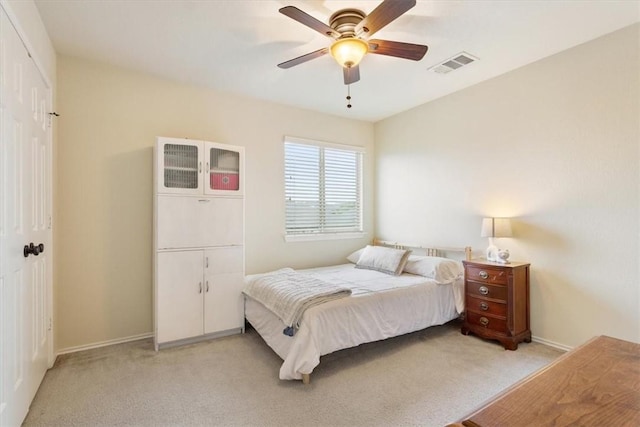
(483, 290)
(484, 321)
(484, 306)
(483, 274)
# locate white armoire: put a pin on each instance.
(198, 240)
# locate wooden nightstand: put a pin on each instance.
(497, 301)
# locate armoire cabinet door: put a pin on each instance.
(186, 222)
(224, 165)
(179, 167)
(223, 303)
(180, 288)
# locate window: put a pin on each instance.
(323, 189)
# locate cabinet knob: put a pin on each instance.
(484, 306)
(483, 274)
(484, 321)
(483, 290)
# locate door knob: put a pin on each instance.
(33, 249)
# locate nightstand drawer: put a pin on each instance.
(486, 321)
(484, 306)
(487, 291)
(486, 274)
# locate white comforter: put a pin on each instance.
(380, 307)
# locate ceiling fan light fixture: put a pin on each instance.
(348, 52)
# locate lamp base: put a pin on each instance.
(492, 253)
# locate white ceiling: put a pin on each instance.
(234, 46)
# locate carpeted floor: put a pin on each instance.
(427, 378)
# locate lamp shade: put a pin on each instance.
(496, 227)
(348, 52)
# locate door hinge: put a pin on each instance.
(50, 222)
(50, 323)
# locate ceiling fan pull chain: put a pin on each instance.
(348, 96)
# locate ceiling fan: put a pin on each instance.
(350, 29)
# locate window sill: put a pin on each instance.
(323, 236)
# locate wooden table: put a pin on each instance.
(596, 384)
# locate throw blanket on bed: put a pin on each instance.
(288, 294)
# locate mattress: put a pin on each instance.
(381, 306)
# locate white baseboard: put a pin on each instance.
(551, 343)
(104, 343)
(150, 335)
(200, 338)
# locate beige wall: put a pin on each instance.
(554, 144)
(103, 235)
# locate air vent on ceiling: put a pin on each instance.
(453, 63)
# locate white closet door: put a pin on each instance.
(180, 287)
(224, 309)
(25, 278)
(188, 222)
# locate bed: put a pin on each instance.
(426, 289)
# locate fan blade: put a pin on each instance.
(386, 12)
(351, 74)
(411, 51)
(304, 58)
(308, 20)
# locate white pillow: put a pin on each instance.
(355, 256)
(383, 259)
(442, 270)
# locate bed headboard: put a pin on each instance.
(424, 250)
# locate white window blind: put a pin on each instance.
(323, 188)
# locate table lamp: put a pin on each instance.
(496, 227)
